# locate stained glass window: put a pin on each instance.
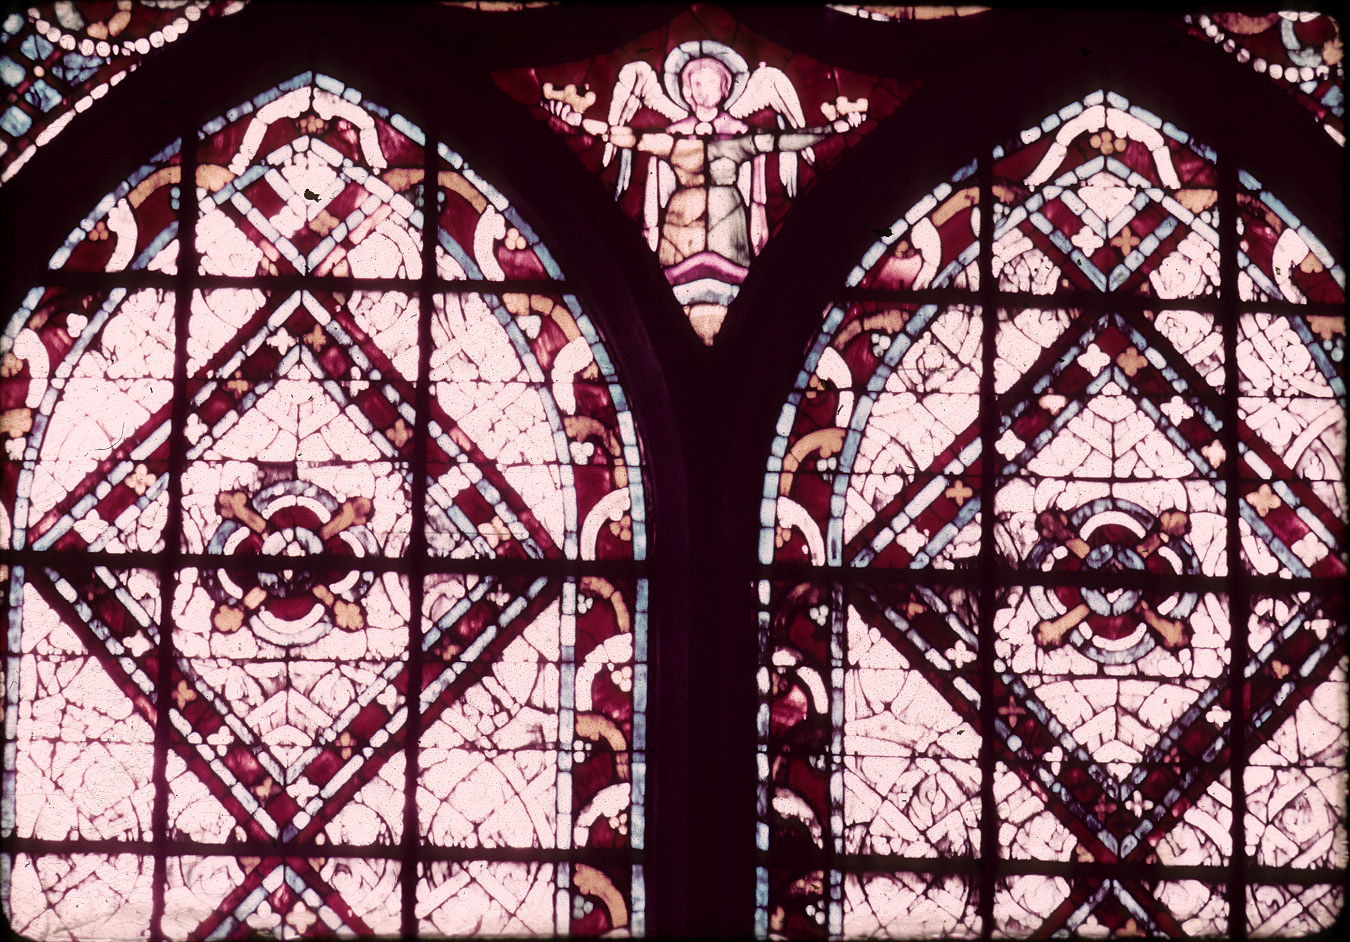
(326, 613)
(1051, 607)
(1048, 560)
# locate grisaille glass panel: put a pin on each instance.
(1101, 573)
(282, 453)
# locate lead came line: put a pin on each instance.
(417, 539)
(989, 849)
(1239, 602)
(170, 561)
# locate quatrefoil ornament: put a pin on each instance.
(301, 521)
(1112, 536)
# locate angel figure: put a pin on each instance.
(705, 204)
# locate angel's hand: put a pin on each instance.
(856, 118)
(842, 124)
(561, 109)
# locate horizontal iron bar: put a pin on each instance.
(187, 848)
(104, 281)
(798, 859)
(77, 560)
(1092, 301)
(972, 577)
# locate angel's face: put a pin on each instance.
(705, 83)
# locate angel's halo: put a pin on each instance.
(685, 53)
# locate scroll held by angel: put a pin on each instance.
(705, 205)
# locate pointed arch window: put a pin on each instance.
(1051, 612)
(327, 516)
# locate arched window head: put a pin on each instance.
(1051, 610)
(325, 613)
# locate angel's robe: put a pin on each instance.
(705, 210)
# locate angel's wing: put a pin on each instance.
(771, 88)
(637, 85)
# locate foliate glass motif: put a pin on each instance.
(702, 149)
(324, 617)
(1008, 654)
(1301, 51)
(57, 59)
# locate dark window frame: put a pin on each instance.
(705, 415)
